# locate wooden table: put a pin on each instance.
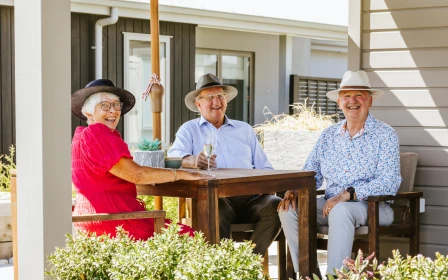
(236, 182)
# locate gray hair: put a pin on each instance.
(95, 99)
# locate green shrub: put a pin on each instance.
(397, 267)
(169, 205)
(165, 256)
(6, 164)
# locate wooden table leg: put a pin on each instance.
(307, 229)
(205, 214)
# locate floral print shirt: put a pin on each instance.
(369, 161)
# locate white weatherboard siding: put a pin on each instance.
(404, 49)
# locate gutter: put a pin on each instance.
(99, 40)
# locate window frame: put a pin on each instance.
(220, 53)
(166, 116)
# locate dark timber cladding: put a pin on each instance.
(183, 45)
(7, 113)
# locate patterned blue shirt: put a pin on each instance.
(369, 161)
(237, 147)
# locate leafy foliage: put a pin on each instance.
(169, 205)
(149, 145)
(6, 164)
(168, 255)
(397, 267)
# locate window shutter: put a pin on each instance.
(314, 91)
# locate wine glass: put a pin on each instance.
(209, 146)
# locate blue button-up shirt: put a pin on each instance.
(237, 147)
(369, 161)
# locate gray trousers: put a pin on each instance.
(342, 221)
(258, 209)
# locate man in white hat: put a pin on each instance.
(237, 147)
(357, 157)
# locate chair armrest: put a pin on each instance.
(402, 195)
(118, 216)
(320, 192)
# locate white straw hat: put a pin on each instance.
(355, 80)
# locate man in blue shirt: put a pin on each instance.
(357, 157)
(237, 147)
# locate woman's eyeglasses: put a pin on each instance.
(210, 97)
(105, 106)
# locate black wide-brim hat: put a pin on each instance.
(80, 96)
(208, 81)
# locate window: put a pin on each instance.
(314, 90)
(137, 72)
(232, 68)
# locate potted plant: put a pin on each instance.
(6, 164)
(148, 153)
(288, 139)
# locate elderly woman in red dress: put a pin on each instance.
(103, 171)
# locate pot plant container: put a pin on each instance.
(288, 139)
(148, 153)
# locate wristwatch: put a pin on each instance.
(351, 191)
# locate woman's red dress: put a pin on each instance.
(95, 150)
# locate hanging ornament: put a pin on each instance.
(155, 91)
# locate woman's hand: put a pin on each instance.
(190, 176)
(290, 198)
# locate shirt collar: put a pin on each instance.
(227, 121)
(368, 126)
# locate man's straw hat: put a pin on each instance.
(208, 81)
(355, 80)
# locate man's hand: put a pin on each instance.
(199, 161)
(341, 197)
(290, 198)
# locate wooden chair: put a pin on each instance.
(241, 232)
(158, 216)
(406, 208)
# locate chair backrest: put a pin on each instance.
(408, 166)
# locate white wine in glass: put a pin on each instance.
(209, 146)
(208, 150)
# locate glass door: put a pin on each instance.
(232, 68)
(137, 72)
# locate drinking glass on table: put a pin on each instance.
(210, 142)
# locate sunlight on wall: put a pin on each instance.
(430, 117)
(415, 98)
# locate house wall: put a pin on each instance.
(327, 64)
(266, 50)
(183, 46)
(403, 46)
(266, 47)
(309, 62)
(7, 121)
